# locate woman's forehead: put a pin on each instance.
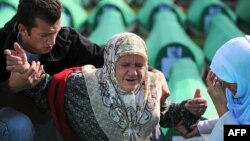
(132, 56)
(131, 59)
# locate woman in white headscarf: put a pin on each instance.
(118, 102)
(229, 87)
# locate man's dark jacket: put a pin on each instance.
(71, 49)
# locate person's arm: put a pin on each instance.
(11, 60)
(172, 114)
(206, 126)
(18, 82)
(16, 60)
(187, 133)
(203, 127)
(197, 105)
(39, 93)
(216, 93)
(189, 111)
(23, 75)
(63, 93)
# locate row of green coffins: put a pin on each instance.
(108, 18)
(216, 21)
(113, 16)
(7, 10)
(72, 15)
(167, 44)
(170, 48)
(78, 14)
(242, 11)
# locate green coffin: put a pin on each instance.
(110, 23)
(168, 41)
(199, 8)
(73, 14)
(7, 10)
(108, 18)
(221, 29)
(11, 3)
(6, 13)
(242, 11)
(79, 2)
(128, 15)
(184, 79)
(146, 14)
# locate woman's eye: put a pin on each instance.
(125, 64)
(139, 65)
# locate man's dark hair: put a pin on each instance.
(29, 10)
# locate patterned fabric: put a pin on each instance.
(118, 46)
(97, 109)
(231, 64)
(124, 115)
(79, 112)
(173, 113)
(82, 119)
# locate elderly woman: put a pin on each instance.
(120, 101)
(229, 87)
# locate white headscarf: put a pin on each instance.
(231, 63)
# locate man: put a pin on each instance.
(36, 29)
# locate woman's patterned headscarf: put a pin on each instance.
(133, 115)
(118, 46)
(231, 63)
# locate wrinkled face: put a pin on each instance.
(130, 71)
(41, 38)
